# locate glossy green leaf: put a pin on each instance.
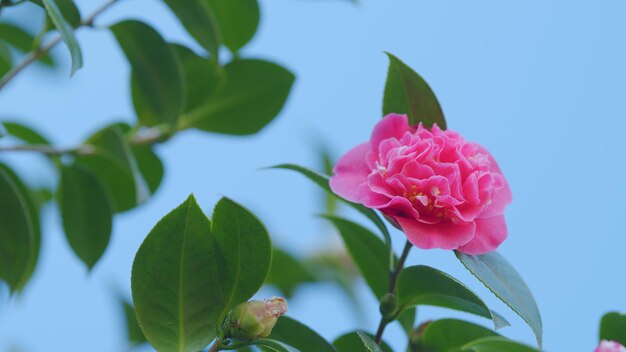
(157, 81)
(287, 273)
(67, 33)
(448, 335)
(198, 18)
(300, 336)
(322, 181)
(406, 92)
(33, 209)
(497, 274)
(68, 9)
(238, 21)
(496, 344)
(17, 238)
(368, 252)
(20, 40)
(353, 342)
(25, 133)
(253, 94)
(86, 213)
(273, 345)
(200, 75)
(113, 161)
(189, 272)
(133, 330)
(423, 285)
(613, 327)
(6, 61)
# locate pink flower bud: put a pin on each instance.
(610, 346)
(254, 319)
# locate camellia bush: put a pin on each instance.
(194, 275)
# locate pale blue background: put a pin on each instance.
(542, 84)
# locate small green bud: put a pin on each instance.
(388, 305)
(254, 319)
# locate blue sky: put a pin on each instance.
(540, 83)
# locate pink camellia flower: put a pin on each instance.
(610, 346)
(441, 190)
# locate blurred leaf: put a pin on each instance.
(86, 213)
(613, 327)
(67, 33)
(6, 61)
(423, 285)
(251, 97)
(238, 21)
(287, 273)
(157, 82)
(300, 336)
(115, 165)
(198, 18)
(201, 76)
(406, 92)
(34, 211)
(68, 9)
(497, 274)
(407, 320)
(189, 273)
(496, 344)
(3, 131)
(150, 166)
(273, 345)
(133, 330)
(322, 181)
(327, 165)
(447, 335)
(368, 251)
(352, 342)
(17, 238)
(21, 40)
(24, 133)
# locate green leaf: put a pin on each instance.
(68, 10)
(189, 273)
(25, 133)
(86, 213)
(423, 285)
(17, 238)
(238, 21)
(33, 209)
(6, 61)
(20, 40)
(322, 181)
(67, 33)
(157, 82)
(198, 18)
(497, 274)
(200, 75)
(369, 342)
(133, 330)
(447, 335)
(300, 336)
(406, 92)
(149, 165)
(287, 273)
(113, 161)
(251, 97)
(496, 344)
(353, 342)
(368, 251)
(613, 327)
(273, 345)
(407, 319)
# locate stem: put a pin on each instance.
(393, 279)
(38, 53)
(216, 345)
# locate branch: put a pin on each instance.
(393, 279)
(42, 51)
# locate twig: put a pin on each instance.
(42, 51)
(393, 279)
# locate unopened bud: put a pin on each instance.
(388, 305)
(254, 319)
